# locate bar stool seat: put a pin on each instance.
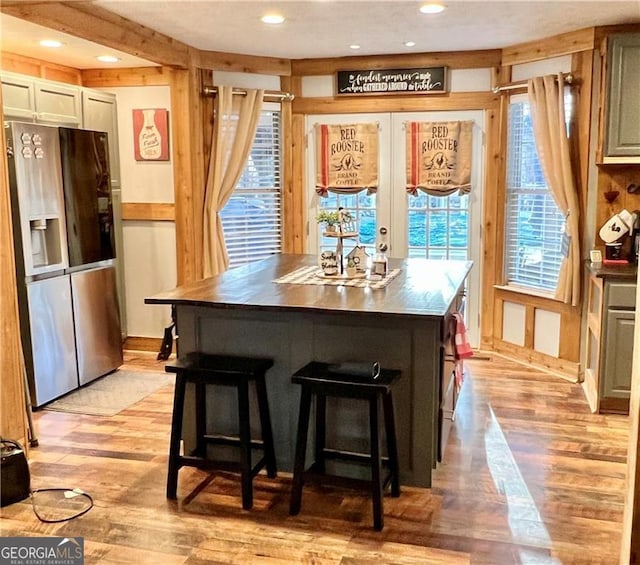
(203, 370)
(317, 380)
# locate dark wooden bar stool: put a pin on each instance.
(317, 380)
(238, 372)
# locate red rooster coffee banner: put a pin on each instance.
(439, 157)
(346, 158)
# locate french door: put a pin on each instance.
(425, 226)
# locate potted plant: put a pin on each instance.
(329, 218)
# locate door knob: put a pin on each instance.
(382, 246)
(383, 230)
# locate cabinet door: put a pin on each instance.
(18, 97)
(618, 354)
(99, 114)
(623, 127)
(57, 103)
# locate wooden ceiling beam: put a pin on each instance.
(556, 46)
(90, 22)
(452, 59)
(219, 61)
(86, 20)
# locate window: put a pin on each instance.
(534, 224)
(361, 206)
(438, 226)
(251, 219)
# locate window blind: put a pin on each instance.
(252, 218)
(534, 224)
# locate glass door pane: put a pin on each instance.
(362, 208)
(438, 226)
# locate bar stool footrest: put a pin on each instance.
(218, 465)
(352, 456)
(231, 441)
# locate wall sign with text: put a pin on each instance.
(429, 80)
(151, 134)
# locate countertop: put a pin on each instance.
(424, 288)
(628, 271)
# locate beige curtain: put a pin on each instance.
(546, 98)
(235, 124)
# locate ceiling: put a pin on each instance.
(326, 28)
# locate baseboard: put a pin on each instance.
(133, 343)
(567, 370)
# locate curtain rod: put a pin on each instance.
(284, 96)
(568, 79)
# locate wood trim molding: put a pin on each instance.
(93, 23)
(293, 156)
(556, 46)
(299, 174)
(96, 24)
(138, 76)
(452, 59)
(148, 211)
(133, 343)
(424, 103)
(541, 302)
(603, 32)
(12, 394)
(219, 61)
(560, 367)
(23, 65)
(490, 225)
(188, 171)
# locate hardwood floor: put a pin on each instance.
(530, 476)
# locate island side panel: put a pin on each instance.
(426, 383)
(283, 337)
(294, 339)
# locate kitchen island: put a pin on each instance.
(403, 326)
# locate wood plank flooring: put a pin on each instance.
(530, 476)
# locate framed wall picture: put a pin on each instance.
(151, 134)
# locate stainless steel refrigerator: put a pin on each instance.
(90, 239)
(44, 287)
(69, 318)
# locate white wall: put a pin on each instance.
(552, 66)
(142, 181)
(149, 247)
(546, 328)
(246, 80)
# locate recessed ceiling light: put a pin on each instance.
(50, 43)
(354, 46)
(108, 59)
(432, 8)
(409, 43)
(273, 19)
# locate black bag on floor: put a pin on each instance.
(15, 480)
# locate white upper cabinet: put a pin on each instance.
(18, 97)
(99, 113)
(42, 101)
(58, 103)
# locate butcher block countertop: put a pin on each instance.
(423, 288)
